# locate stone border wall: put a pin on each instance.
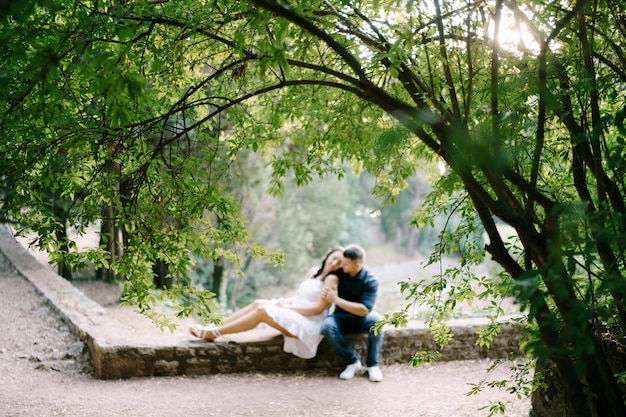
(116, 352)
(201, 358)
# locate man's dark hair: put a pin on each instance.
(355, 253)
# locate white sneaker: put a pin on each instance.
(350, 370)
(375, 373)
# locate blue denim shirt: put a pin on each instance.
(362, 288)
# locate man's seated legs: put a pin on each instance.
(374, 346)
(334, 328)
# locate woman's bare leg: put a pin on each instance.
(243, 322)
(246, 310)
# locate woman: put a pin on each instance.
(298, 318)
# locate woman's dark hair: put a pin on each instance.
(330, 252)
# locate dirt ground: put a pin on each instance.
(44, 372)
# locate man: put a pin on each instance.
(354, 300)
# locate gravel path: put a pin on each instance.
(44, 372)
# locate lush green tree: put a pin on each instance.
(531, 131)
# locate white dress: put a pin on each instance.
(306, 328)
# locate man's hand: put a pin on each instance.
(330, 295)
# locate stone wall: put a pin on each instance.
(201, 358)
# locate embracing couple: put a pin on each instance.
(342, 280)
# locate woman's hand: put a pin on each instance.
(329, 294)
(282, 302)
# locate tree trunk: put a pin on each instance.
(218, 277)
(551, 399)
(61, 235)
(108, 237)
(161, 279)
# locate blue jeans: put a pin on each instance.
(335, 326)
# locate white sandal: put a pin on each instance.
(205, 332)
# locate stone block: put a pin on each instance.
(166, 368)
